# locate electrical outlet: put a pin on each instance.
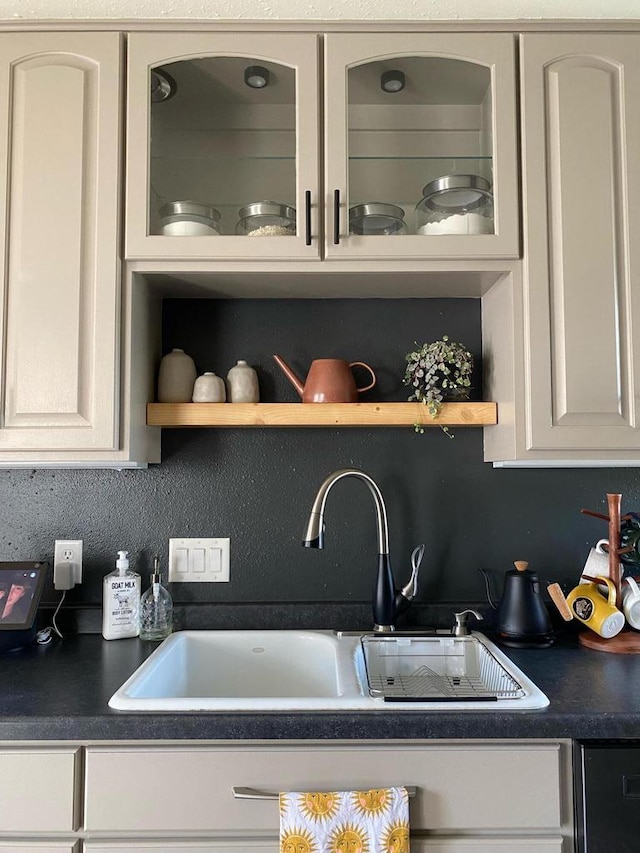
(199, 560)
(67, 563)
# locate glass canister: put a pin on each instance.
(456, 204)
(189, 219)
(377, 218)
(266, 219)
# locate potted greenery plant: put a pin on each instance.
(436, 372)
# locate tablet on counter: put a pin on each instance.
(21, 586)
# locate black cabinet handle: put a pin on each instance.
(307, 217)
(336, 217)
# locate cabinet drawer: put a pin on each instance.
(240, 845)
(487, 845)
(38, 790)
(459, 787)
(39, 847)
(421, 845)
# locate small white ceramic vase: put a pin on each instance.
(243, 384)
(176, 377)
(209, 388)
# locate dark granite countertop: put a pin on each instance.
(60, 692)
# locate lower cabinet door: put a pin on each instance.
(419, 845)
(29, 806)
(487, 845)
(450, 796)
(237, 845)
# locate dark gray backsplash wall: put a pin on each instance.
(256, 485)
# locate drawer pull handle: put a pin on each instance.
(255, 794)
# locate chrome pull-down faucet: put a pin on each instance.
(388, 602)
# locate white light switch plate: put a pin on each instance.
(198, 560)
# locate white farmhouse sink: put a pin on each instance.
(322, 671)
(242, 670)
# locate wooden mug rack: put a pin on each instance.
(627, 642)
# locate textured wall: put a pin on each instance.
(256, 486)
(329, 10)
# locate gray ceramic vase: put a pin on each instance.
(209, 388)
(242, 381)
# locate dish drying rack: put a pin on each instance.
(435, 669)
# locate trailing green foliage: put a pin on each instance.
(436, 372)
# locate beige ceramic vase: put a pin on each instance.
(209, 388)
(242, 381)
(176, 377)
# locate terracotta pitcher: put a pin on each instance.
(330, 380)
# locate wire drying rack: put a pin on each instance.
(435, 669)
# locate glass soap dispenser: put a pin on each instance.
(156, 608)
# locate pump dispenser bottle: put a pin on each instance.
(121, 601)
(156, 608)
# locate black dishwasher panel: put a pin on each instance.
(607, 796)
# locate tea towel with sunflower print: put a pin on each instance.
(374, 821)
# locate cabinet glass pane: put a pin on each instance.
(415, 120)
(223, 144)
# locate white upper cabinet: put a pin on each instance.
(420, 146)
(59, 305)
(223, 157)
(224, 143)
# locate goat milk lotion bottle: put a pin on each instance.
(121, 601)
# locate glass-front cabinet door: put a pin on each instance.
(421, 153)
(222, 146)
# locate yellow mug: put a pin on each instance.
(595, 611)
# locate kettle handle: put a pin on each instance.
(373, 376)
(487, 589)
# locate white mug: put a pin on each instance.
(597, 564)
(631, 602)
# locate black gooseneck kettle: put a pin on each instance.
(522, 619)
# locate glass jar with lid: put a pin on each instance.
(377, 218)
(266, 219)
(456, 204)
(189, 219)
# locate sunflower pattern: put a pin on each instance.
(373, 821)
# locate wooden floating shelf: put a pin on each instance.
(318, 415)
